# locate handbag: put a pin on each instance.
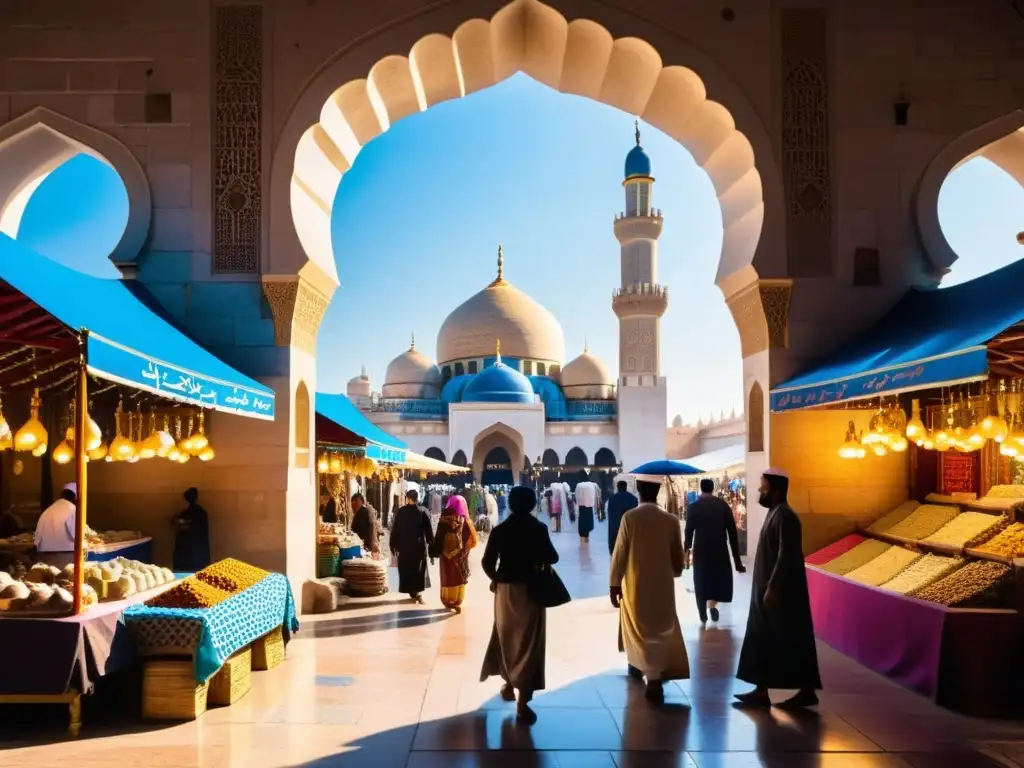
(546, 588)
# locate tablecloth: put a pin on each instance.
(227, 626)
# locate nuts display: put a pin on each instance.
(964, 527)
(977, 584)
(884, 567)
(898, 515)
(1009, 543)
(922, 573)
(924, 521)
(832, 551)
(861, 554)
(232, 576)
(1005, 492)
(190, 593)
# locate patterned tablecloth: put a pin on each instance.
(216, 633)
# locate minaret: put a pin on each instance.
(639, 303)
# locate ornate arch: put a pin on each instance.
(434, 453)
(1000, 141)
(303, 436)
(40, 141)
(755, 419)
(605, 457)
(550, 458)
(459, 459)
(497, 436)
(576, 457)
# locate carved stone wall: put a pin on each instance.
(806, 147)
(237, 137)
(298, 309)
(775, 296)
(761, 312)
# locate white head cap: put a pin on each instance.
(73, 487)
(776, 472)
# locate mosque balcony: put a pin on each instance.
(638, 227)
(640, 299)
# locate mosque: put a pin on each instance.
(500, 396)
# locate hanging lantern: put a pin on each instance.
(335, 465)
(99, 452)
(184, 457)
(163, 441)
(942, 441)
(63, 454)
(915, 427)
(121, 448)
(899, 445)
(851, 447)
(207, 454)
(185, 444)
(174, 454)
(32, 433)
(5, 428)
(151, 443)
(323, 464)
(7, 441)
(198, 440)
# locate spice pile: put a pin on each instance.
(1009, 543)
(883, 567)
(964, 527)
(860, 555)
(898, 515)
(977, 585)
(190, 593)
(832, 551)
(232, 576)
(924, 521)
(922, 573)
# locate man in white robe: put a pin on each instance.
(647, 559)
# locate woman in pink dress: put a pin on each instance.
(454, 538)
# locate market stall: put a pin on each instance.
(77, 339)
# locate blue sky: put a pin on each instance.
(419, 217)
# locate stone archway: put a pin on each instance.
(1001, 142)
(497, 436)
(40, 141)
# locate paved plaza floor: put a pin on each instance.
(389, 684)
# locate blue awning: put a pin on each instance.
(930, 338)
(127, 342)
(343, 412)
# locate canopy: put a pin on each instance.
(720, 460)
(930, 338)
(423, 463)
(125, 341)
(656, 471)
(339, 411)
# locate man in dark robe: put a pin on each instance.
(411, 537)
(618, 505)
(778, 649)
(364, 523)
(192, 540)
(328, 508)
(710, 532)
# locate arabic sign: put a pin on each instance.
(971, 364)
(957, 472)
(117, 363)
(382, 453)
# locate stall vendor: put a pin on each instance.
(192, 541)
(55, 531)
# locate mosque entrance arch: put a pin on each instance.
(498, 467)
(503, 437)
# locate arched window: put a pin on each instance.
(576, 458)
(460, 370)
(434, 453)
(541, 369)
(755, 419)
(446, 373)
(604, 458)
(459, 459)
(303, 443)
(550, 458)
(472, 366)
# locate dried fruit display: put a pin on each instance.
(190, 593)
(1009, 543)
(863, 553)
(964, 527)
(977, 584)
(921, 573)
(924, 521)
(834, 550)
(898, 515)
(232, 575)
(1005, 492)
(883, 567)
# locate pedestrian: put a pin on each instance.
(618, 505)
(454, 539)
(517, 649)
(778, 649)
(647, 559)
(192, 536)
(365, 523)
(710, 533)
(411, 537)
(588, 498)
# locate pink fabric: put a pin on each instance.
(457, 506)
(897, 636)
(832, 551)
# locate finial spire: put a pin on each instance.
(501, 263)
(363, 371)
(497, 349)
(636, 123)
(586, 346)
(412, 344)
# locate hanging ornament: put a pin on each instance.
(165, 439)
(336, 465)
(32, 433)
(198, 441)
(323, 464)
(121, 447)
(207, 454)
(151, 443)
(185, 445)
(99, 452)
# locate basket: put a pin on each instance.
(328, 560)
(233, 680)
(268, 651)
(170, 692)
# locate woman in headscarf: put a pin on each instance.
(454, 538)
(516, 653)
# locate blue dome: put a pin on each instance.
(452, 390)
(637, 162)
(551, 395)
(499, 384)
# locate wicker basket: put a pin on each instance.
(327, 561)
(233, 680)
(170, 692)
(268, 651)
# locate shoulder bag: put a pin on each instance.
(546, 588)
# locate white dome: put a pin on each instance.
(501, 311)
(411, 375)
(359, 386)
(587, 378)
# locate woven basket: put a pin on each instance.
(233, 680)
(170, 692)
(328, 558)
(268, 651)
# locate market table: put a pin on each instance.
(961, 658)
(136, 549)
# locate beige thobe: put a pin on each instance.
(648, 558)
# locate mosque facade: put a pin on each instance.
(501, 395)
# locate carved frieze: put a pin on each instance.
(775, 296)
(298, 309)
(761, 312)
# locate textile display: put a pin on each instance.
(231, 624)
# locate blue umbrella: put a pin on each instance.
(656, 471)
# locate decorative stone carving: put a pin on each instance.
(237, 137)
(806, 149)
(282, 295)
(775, 301)
(298, 309)
(748, 312)
(755, 419)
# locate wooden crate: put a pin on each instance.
(170, 692)
(233, 680)
(268, 651)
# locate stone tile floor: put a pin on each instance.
(389, 684)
